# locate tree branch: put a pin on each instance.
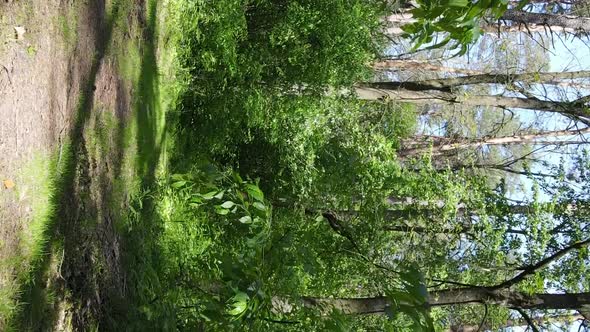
(532, 269)
(528, 319)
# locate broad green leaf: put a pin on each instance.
(239, 304)
(220, 210)
(238, 178)
(228, 204)
(246, 219)
(178, 184)
(209, 195)
(220, 194)
(259, 206)
(255, 192)
(177, 177)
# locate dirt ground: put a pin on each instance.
(55, 89)
(35, 101)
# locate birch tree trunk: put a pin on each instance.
(500, 294)
(520, 21)
(440, 146)
(577, 109)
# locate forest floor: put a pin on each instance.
(81, 131)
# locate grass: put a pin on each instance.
(38, 183)
(38, 187)
(31, 301)
(68, 27)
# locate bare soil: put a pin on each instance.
(53, 91)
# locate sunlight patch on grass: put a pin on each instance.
(36, 190)
(67, 23)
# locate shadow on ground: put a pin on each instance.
(81, 282)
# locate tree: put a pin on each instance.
(446, 84)
(553, 22)
(437, 145)
(411, 23)
(500, 294)
(576, 109)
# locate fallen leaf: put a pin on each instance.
(20, 32)
(9, 184)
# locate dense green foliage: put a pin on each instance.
(256, 191)
(252, 100)
(278, 191)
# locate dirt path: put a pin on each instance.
(65, 104)
(35, 105)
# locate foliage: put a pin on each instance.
(459, 20)
(277, 192)
(277, 43)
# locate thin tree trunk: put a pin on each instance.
(439, 146)
(566, 22)
(445, 83)
(576, 109)
(500, 294)
(495, 28)
(521, 21)
(414, 65)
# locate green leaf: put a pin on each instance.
(228, 204)
(255, 192)
(209, 195)
(178, 184)
(220, 194)
(239, 304)
(177, 177)
(246, 220)
(238, 178)
(458, 3)
(259, 206)
(221, 211)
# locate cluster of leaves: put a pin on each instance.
(205, 212)
(459, 20)
(411, 300)
(221, 253)
(201, 262)
(255, 71)
(276, 42)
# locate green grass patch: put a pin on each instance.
(38, 187)
(68, 27)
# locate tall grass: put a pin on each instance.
(39, 186)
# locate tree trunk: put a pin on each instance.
(554, 21)
(445, 83)
(520, 21)
(576, 109)
(443, 145)
(504, 297)
(414, 65)
(500, 294)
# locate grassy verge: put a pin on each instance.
(124, 150)
(37, 189)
